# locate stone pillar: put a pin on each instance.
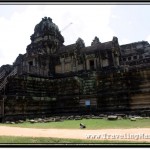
(76, 65)
(71, 63)
(99, 61)
(114, 64)
(117, 61)
(62, 65)
(84, 64)
(33, 61)
(95, 66)
(87, 64)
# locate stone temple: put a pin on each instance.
(53, 78)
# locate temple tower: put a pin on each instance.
(41, 53)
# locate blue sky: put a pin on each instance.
(130, 23)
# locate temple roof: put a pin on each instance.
(66, 49)
(134, 48)
(134, 44)
(99, 46)
(89, 49)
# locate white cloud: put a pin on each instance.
(88, 21)
(124, 41)
(148, 38)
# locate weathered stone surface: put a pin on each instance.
(133, 119)
(120, 118)
(53, 78)
(57, 119)
(64, 117)
(102, 116)
(50, 120)
(20, 121)
(7, 122)
(77, 118)
(120, 115)
(146, 117)
(39, 120)
(33, 121)
(138, 117)
(70, 118)
(46, 120)
(111, 117)
(87, 116)
(82, 126)
(96, 117)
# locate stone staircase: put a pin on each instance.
(4, 82)
(2, 74)
(88, 85)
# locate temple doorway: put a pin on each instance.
(91, 64)
(88, 103)
(30, 63)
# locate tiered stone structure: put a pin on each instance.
(51, 78)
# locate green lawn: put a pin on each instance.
(74, 124)
(90, 124)
(32, 140)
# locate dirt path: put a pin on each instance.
(138, 134)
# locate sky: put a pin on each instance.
(130, 23)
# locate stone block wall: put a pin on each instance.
(128, 91)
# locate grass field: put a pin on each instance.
(31, 140)
(74, 124)
(90, 124)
